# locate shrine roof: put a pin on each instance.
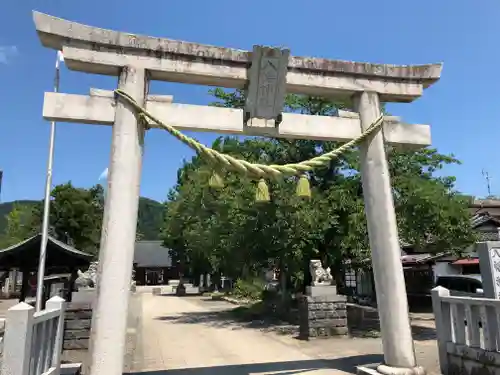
(59, 256)
(151, 254)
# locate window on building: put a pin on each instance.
(472, 269)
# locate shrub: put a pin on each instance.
(249, 289)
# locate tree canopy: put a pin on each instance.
(226, 231)
(75, 218)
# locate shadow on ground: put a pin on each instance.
(228, 318)
(245, 317)
(420, 333)
(346, 364)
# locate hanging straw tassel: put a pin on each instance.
(216, 181)
(303, 187)
(262, 192)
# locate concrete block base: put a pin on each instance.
(382, 369)
(321, 290)
(322, 316)
(85, 295)
(71, 369)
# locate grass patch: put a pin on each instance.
(217, 296)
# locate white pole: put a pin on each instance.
(383, 235)
(109, 321)
(46, 202)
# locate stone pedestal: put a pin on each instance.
(85, 295)
(322, 316)
(173, 282)
(180, 290)
(321, 290)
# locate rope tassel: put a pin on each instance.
(262, 192)
(255, 169)
(303, 187)
(216, 181)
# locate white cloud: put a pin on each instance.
(7, 53)
(104, 175)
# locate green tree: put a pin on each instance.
(18, 225)
(226, 231)
(75, 216)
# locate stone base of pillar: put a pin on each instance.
(388, 370)
(180, 290)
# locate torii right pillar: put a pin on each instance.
(390, 287)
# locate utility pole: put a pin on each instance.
(486, 175)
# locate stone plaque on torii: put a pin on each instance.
(267, 74)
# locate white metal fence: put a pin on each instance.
(467, 328)
(32, 343)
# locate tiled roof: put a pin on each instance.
(485, 206)
(65, 247)
(488, 236)
(482, 218)
(152, 254)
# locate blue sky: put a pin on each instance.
(463, 108)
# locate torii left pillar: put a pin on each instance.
(118, 236)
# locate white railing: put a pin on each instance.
(465, 326)
(2, 330)
(33, 341)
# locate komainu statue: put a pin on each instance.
(320, 276)
(87, 279)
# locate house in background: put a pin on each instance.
(487, 225)
(153, 264)
(489, 206)
(422, 269)
(485, 221)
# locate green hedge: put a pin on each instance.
(248, 289)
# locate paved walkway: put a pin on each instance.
(193, 336)
(177, 341)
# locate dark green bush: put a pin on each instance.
(249, 289)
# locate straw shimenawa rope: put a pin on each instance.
(253, 170)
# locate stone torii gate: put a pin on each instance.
(267, 74)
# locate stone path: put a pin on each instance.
(193, 336)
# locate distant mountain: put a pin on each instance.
(150, 217)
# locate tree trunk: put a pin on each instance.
(283, 282)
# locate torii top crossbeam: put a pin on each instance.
(179, 61)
